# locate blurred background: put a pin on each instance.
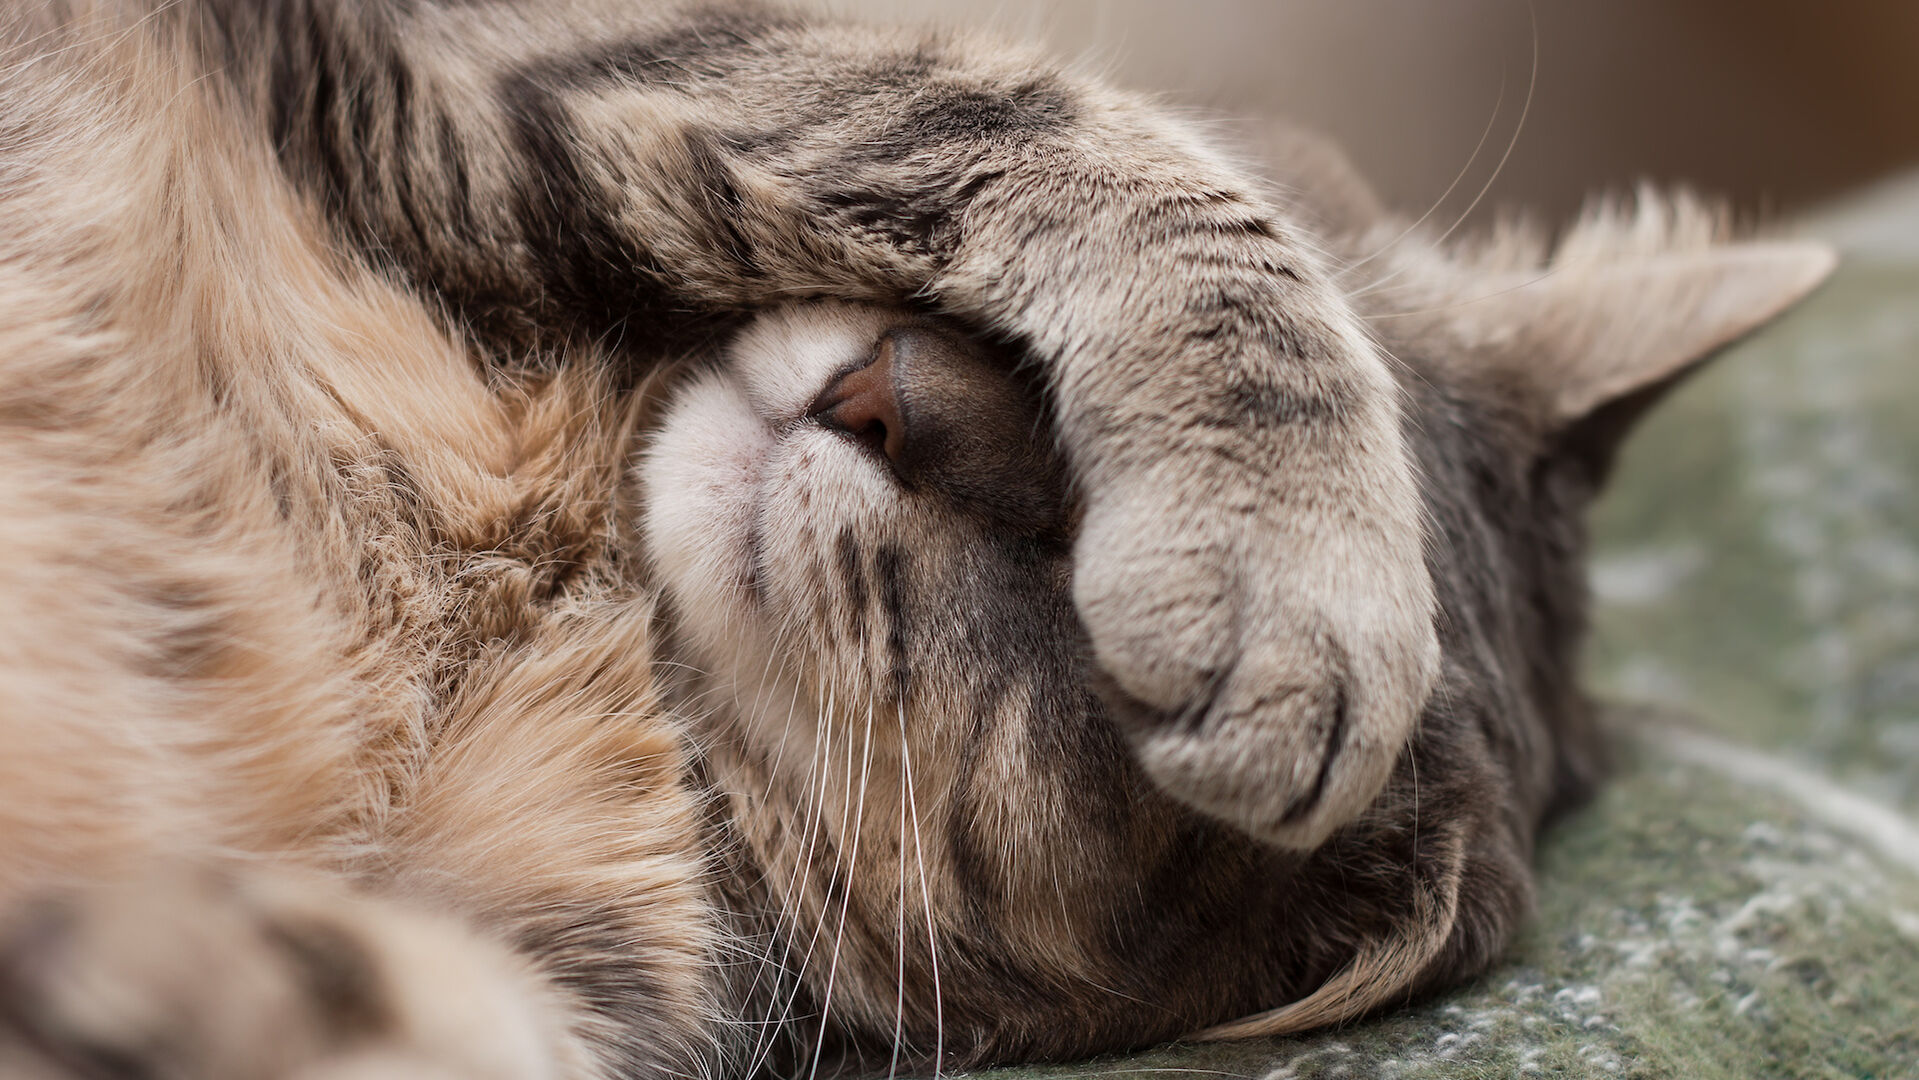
(1774, 103)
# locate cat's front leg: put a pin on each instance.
(212, 975)
(1250, 567)
(1250, 573)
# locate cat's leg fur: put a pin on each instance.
(1250, 570)
(543, 911)
(524, 890)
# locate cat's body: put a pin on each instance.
(328, 626)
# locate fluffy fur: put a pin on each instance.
(643, 173)
(295, 589)
(375, 704)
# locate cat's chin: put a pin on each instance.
(738, 479)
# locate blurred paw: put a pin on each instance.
(208, 976)
(1268, 664)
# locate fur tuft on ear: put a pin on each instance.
(1624, 327)
(1633, 298)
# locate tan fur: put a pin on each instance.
(287, 585)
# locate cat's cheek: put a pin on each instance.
(700, 479)
(832, 523)
(824, 506)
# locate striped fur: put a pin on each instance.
(435, 641)
(642, 174)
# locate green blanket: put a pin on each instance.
(1743, 901)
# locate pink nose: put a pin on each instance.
(865, 403)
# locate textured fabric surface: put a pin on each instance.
(1743, 900)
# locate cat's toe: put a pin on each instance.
(1256, 687)
(177, 975)
(1288, 746)
(210, 975)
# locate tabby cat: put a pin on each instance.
(605, 539)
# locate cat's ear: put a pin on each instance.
(1618, 328)
(1605, 337)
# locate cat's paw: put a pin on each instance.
(1267, 654)
(203, 975)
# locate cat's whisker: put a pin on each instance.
(779, 942)
(792, 707)
(1457, 304)
(818, 769)
(1499, 103)
(819, 774)
(846, 893)
(846, 884)
(899, 926)
(1525, 110)
(792, 901)
(926, 896)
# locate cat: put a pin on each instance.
(606, 540)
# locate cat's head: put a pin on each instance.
(863, 535)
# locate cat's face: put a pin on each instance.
(864, 548)
(864, 541)
(860, 507)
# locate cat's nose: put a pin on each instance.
(952, 419)
(865, 402)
